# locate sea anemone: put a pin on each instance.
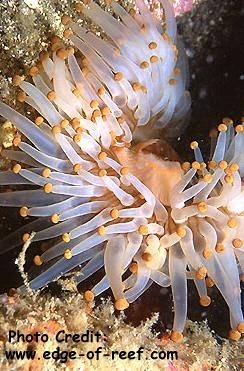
(105, 196)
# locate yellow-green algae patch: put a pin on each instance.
(7, 134)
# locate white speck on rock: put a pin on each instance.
(33, 4)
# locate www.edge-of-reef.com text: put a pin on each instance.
(63, 355)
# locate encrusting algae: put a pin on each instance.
(107, 192)
(71, 314)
